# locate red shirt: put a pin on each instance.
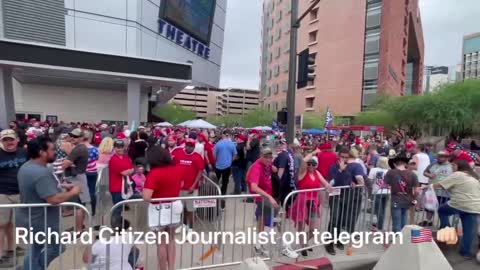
(116, 165)
(262, 176)
(208, 147)
(190, 164)
(325, 160)
(464, 156)
(165, 182)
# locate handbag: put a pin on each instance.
(164, 214)
(127, 189)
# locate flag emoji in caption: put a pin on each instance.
(421, 236)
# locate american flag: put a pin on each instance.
(421, 236)
(328, 118)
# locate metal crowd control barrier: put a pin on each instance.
(307, 210)
(103, 196)
(52, 255)
(238, 217)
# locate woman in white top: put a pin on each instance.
(380, 191)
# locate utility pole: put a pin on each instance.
(292, 73)
(292, 87)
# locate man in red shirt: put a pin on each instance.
(259, 182)
(457, 153)
(192, 166)
(326, 158)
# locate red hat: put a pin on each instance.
(254, 131)
(120, 135)
(241, 137)
(202, 136)
(410, 145)
(358, 140)
(191, 141)
(325, 146)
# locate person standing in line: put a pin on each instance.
(225, 152)
(11, 158)
(75, 166)
(37, 184)
(192, 166)
(326, 158)
(253, 148)
(436, 172)
(91, 170)
(105, 150)
(259, 181)
(422, 161)
(239, 166)
(285, 164)
(403, 187)
(119, 166)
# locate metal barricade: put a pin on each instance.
(238, 218)
(103, 197)
(40, 233)
(316, 209)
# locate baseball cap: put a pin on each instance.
(443, 153)
(266, 151)
(76, 133)
(8, 133)
(241, 137)
(190, 141)
(141, 127)
(119, 143)
(455, 147)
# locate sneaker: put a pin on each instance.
(304, 253)
(6, 262)
(18, 252)
(288, 252)
(261, 251)
(330, 249)
(340, 246)
(181, 228)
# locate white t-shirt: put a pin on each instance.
(423, 162)
(200, 148)
(118, 254)
(379, 186)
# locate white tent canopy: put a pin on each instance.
(198, 123)
(164, 124)
(263, 128)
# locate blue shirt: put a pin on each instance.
(224, 151)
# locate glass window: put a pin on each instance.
(312, 36)
(277, 52)
(285, 67)
(288, 7)
(285, 86)
(276, 70)
(372, 44)
(370, 71)
(278, 34)
(286, 28)
(309, 102)
(314, 14)
(287, 47)
(275, 88)
(269, 74)
(373, 17)
(269, 91)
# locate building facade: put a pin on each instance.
(184, 32)
(217, 102)
(436, 76)
(361, 48)
(471, 57)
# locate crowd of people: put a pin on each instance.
(43, 163)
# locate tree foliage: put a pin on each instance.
(452, 110)
(259, 117)
(173, 113)
(313, 120)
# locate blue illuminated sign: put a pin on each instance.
(183, 39)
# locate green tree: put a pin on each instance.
(313, 120)
(258, 117)
(226, 120)
(174, 113)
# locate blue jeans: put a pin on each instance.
(239, 179)
(92, 183)
(469, 227)
(35, 255)
(380, 203)
(399, 217)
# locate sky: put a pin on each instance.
(445, 22)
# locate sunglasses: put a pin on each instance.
(344, 157)
(311, 164)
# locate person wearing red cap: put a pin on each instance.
(457, 152)
(239, 166)
(326, 158)
(192, 165)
